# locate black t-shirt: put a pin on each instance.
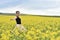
(18, 20)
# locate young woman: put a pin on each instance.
(18, 22)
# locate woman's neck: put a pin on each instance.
(17, 16)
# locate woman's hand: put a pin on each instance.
(13, 18)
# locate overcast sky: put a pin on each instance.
(38, 7)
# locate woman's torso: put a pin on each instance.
(18, 20)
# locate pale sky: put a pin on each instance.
(36, 7)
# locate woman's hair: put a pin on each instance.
(17, 12)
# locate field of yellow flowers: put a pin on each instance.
(39, 28)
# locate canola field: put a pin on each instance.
(39, 28)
